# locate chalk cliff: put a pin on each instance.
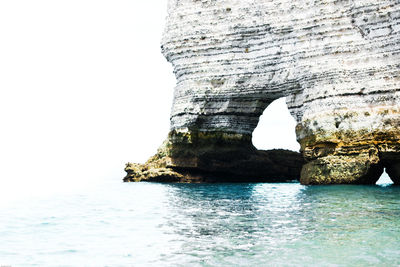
(337, 62)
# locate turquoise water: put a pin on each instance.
(143, 224)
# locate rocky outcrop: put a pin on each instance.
(336, 62)
(245, 166)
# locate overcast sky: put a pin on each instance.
(84, 89)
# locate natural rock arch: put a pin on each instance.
(337, 62)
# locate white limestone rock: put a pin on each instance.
(337, 62)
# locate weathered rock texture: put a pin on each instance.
(211, 167)
(337, 62)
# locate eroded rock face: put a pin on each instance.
(242, 166)
(336, 62)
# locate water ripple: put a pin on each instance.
(205, 225)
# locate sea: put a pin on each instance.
(153, 224)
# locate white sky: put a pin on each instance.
(84, 89)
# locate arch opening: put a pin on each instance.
(276, 128)
(384, 179)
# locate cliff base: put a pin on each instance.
(252, 166)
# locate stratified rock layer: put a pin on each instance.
(336, 62)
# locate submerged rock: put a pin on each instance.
(336, 62)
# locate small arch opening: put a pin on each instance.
(384, 179)
(276, 128)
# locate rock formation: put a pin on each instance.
(213, 166)
(337, 62)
